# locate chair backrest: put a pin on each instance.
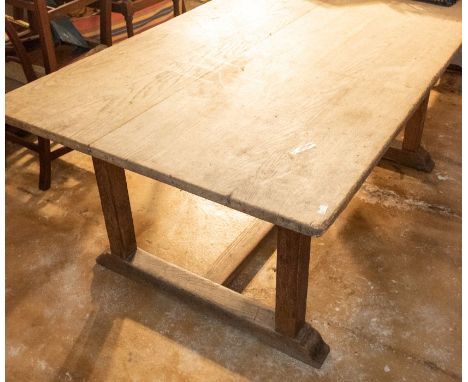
(39, 21)
(40, 17)
(20, 50)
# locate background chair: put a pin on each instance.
(128, 8)
(42, 147)
(152, 16)
(40, 17)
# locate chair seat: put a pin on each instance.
(142, 20)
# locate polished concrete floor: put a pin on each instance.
(384, 281)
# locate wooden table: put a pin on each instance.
(279, 109)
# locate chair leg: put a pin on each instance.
(129, 22)
(176, 6)
(105, 22)
(45, 163)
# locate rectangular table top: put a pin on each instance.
(276, 108)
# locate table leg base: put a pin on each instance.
(307, 346)
(419, 160)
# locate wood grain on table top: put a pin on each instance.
(276, 108)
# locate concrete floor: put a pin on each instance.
(384, 285)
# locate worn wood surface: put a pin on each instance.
(307, 346)
(115, 203)
(230, 260)
(300, 99)
(292, 275)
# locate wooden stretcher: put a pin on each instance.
(279, 109)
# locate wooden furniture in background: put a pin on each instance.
(128, 8)
(284, 132)
(21, 56)
(150, 17)
(40, 16)
(42, 147)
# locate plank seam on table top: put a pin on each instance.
(201, 76)
(221, 63)
(227, 62)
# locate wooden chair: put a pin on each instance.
(128, 8)
(40, 16)
(42, 147)
(21, 55)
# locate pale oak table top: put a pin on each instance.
(276, 108)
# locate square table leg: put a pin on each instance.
(292, 274)
(45, 163)
(115, 202)
(415, 126)
(411, 153)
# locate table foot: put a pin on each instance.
(419, 159)
(410, 152)
(307, 345)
